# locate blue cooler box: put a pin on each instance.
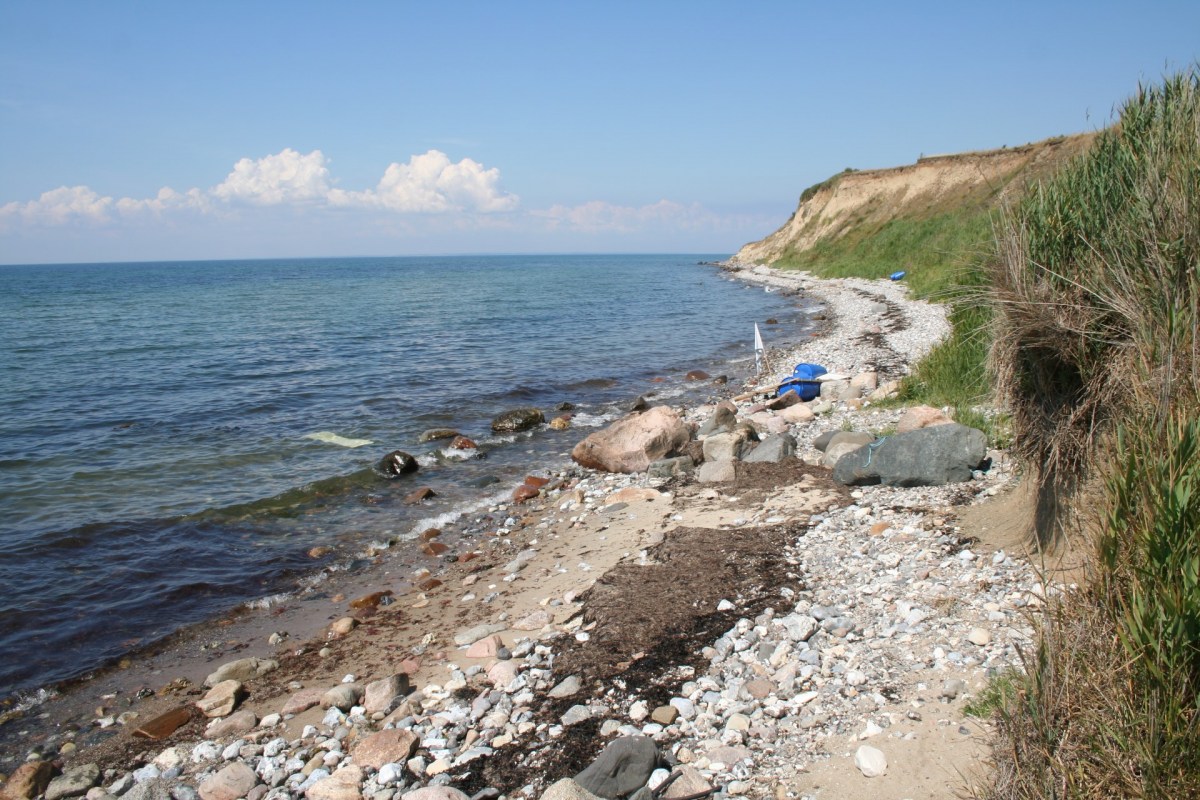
(803, 381)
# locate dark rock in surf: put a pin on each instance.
(697, 375)
(517, 419)
(433, 434)
(418, 495)
(639, 405)
(564, 406)
(397, 463)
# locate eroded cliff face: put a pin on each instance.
(932, 185)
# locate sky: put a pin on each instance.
(172, 131)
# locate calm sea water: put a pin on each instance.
(155, 465)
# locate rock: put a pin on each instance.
(639, 405)
(833, 390)
(372, 600)
(716, 472)
(566, 687)
(697, 375)
(380, 695)
(919, 417)
(477, 632)
(343, 697)
(576, 714)
(926, 457)
(980, 637)
(158, 789)
(533, 621)
(502, 673)
(953, 688)
(230, 783)
(435, 793)
(524, 492)
(796, 414)
(773, 450)
(728, 446)
(664, 715)
(303, 700)
(517, 419)
(871, 761)
(565, 789)
(397, 463)
(561, 423)
(236, 723)
(434, 548)
(463, 443)
(785, 400)
(865, 382)
(886, 390)
(624, 766)
(487, 647)
(341, 785)
(343, 626)
(822, 441)
(418, 495)
(221, 699)
(835, 451)
(690, 782)
(759, 688)
(671, 467)
(633, 494)
(74, 782)
(722, 421)
(165, 724)
(244, 669)
(632, 443)
(27, 781)
(392, 746)
(433, 434)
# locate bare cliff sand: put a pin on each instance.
(776, 634)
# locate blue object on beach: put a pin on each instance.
(803, 381)
(897, 275)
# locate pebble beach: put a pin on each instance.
(763, 631)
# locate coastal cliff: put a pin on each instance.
(853, 203)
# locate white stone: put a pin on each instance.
(871, 761)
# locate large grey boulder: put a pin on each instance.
(633, 443)
(623, 767)
(926, 457)
(728, 446)
(722, 421)
(773, 449)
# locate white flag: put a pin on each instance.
(760, 352)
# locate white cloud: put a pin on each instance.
(166, 200)
(286, 177)
(428, 184)
(60, 206)
(431, 183)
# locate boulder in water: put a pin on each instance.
(397, 463)
(517, 419)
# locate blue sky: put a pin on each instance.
(134, 131)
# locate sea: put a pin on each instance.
(177, 437)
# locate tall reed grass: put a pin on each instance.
(1097, 351)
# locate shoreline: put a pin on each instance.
(587, 525)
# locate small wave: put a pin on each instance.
(582, 419)
(330, 437)
(444, 519)
(263, 603)
(26, 702)
(460, 454)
